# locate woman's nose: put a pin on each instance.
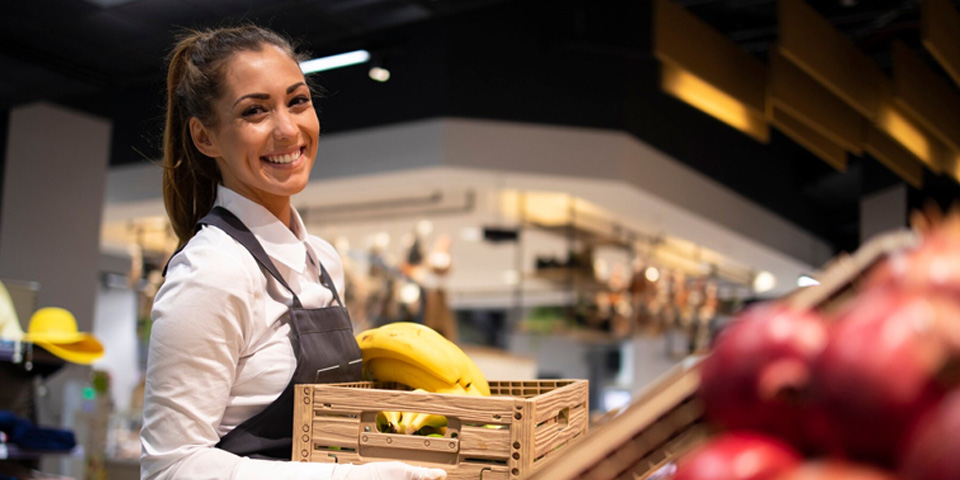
(285, 126)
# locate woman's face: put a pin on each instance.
(265, 137)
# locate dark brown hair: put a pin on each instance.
(194, 82)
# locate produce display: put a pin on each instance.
(866, 386)
(419, 357)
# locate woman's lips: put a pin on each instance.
(285, 158)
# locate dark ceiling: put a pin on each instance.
(566, 62)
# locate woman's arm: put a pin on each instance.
(197, 339)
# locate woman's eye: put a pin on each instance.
(251, 111)
(299, 100)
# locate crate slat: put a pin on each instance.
(466, 408)
(338, 432)
(481, 442)
(552, 434)
(550, 404)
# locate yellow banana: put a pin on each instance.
(423, 423)
(414, 344)
(387, 369)
(389, 422)
(474, 390)
(473, 380)
(469, 373)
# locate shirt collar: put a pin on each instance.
(280, 243)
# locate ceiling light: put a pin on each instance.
(381, 240)
(652, 274)
(410, 293)
(424, 227)
(334, 61)
(764, 282)
(379, 74)
(807, 281)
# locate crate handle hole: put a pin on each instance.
(563, 418)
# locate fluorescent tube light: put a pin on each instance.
(334, 61)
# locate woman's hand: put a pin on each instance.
(391, 471)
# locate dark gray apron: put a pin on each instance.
(323, 342)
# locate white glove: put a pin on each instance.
(388, 471)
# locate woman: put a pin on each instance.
(251, 303)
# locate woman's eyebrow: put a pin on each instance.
(264, 96)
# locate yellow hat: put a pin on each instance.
(55, 329)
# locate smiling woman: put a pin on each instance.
(251, 302)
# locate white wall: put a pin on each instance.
(56, 164)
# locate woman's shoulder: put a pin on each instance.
(214, 255)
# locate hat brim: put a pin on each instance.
(56, 337)
(85, 351)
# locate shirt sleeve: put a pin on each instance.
(200, 317)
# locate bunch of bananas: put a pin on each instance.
(417, 356)
(412, 423)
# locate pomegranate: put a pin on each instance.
(931, 266)
(877, 372)
(738, 455)
(835, 470)
(757, 375)
(933, 451)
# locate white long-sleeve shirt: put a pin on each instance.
(219, 347)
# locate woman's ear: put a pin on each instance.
(202, 139)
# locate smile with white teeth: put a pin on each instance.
(284, 158)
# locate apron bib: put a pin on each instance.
(323, 342)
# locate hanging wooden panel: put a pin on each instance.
(940, 32)
(894, 156)
(793, 91)
(810, 139)
(899, 124)
(810, 42)
(927, 97)
(694, 54)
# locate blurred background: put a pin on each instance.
(566, 188)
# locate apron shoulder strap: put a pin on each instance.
(228, 222)
(327, 281)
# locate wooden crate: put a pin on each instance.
(505, 436)
(666, 419)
